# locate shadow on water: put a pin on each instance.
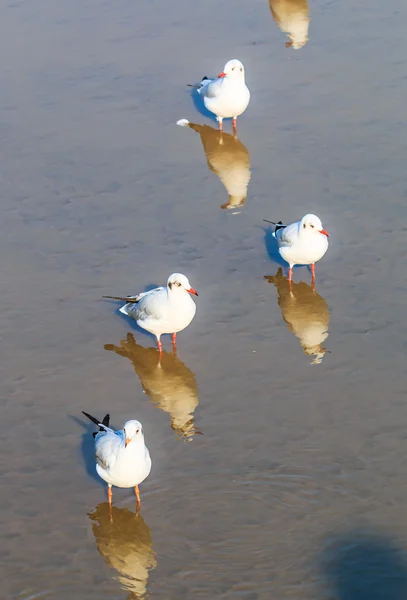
(200, 106)
(363, 565)
(124, 541)
(169, 383)
(272, 248)
(88, 446)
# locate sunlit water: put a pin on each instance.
(278, 431)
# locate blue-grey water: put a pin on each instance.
(279, 431)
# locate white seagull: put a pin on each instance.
(164, 309)
(122, 458)
(302, 243)
(228, 95)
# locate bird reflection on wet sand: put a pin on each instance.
(124, 541)
(292, 17)
(228, 158)
(167, 380)
(305, 312)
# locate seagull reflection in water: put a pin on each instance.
(228, 158)
(124, 541)
(305, 312)
(292, 17)
(166, 380)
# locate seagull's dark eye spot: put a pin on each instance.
(241, 69)
(305, 226)
(312, 226)
(177, 283)
(137, 431)
(233, 68)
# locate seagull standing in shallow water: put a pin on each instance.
(164, 309)
(302, 243)
(227, 96)
(122, 458)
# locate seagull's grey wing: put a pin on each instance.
(211, 89)
(285, 236)
(142, 304)
(151, 304)
(107, 445)
(144, 294)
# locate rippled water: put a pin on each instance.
(278, 431)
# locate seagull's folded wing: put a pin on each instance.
(288, 235)
(107, 446)
(212, 89)
(152, 304)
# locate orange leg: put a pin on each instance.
(109, 494)
(160, 346)
(313, 271)
(234, 123)
(174, 339)
(290, 274)
(136, 490)
(220, 125)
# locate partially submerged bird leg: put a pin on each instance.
(313, 272)
(160, 346)
(109, 494)
(137, 492)
(234, 123)
(290, 274)
(174, 339)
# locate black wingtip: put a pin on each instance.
(93, 419)
(204, 78)
(105, 422)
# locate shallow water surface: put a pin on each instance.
(278, 430)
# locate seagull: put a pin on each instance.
(228, 158)
(164, 309)
(122, 458)
(302, 243)
(228, 95)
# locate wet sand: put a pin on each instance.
(297, 487)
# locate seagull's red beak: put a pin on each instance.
(192, 291)
(324, 232)
(127, 442)
(221, 75)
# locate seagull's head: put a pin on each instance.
(233, 70)
(311, 224)
(177, 282)
(133, 430)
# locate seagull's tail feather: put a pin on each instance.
(134, 299)
(197, 86)
(102, 425)
(278, 225)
